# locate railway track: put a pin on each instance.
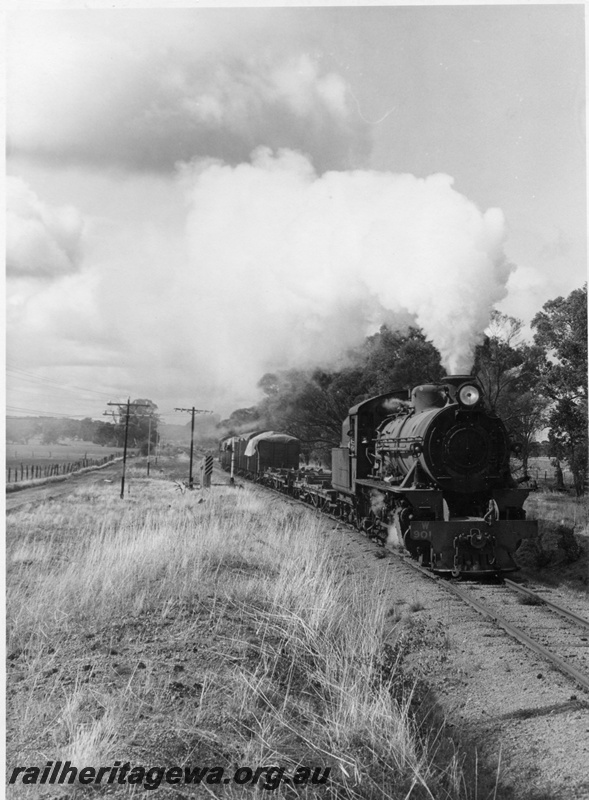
(564, 644)
(558, 635)
(541, 600)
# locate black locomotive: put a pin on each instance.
(434, 474)
(428, 470)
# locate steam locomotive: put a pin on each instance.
(427, 469)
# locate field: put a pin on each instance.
(17, 454)
(541, 470)
(34, 460)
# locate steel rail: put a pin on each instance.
(564, 612)
(516, 633)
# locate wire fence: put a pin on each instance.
(27, 472)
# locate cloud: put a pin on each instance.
(41, 241)
(107, 95)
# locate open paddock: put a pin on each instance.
(31, 461)
(541, 470)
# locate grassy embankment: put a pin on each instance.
(163, 630)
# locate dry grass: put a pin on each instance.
(164, 630)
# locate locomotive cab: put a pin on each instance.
(355, 457)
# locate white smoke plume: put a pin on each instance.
(291, 268)
(377, 501)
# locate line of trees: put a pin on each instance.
(534, 387)
(52, 430)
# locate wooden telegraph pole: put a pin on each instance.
(128, 411)
(192, 411)
(149, 443)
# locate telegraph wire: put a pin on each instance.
(24, 375)
(19, 409)
(34, 393)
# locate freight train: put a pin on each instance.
(427, 469)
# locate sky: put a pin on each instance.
(198, 196)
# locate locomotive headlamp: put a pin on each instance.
(469, 395)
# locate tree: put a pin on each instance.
(243, 419)
(508, 370)
(397, 359)
(52, 431)
(499, 360)
(143, 423)
(142, 419)
(106, 434)
(87, 428)
(527, 418)
(561, 334)
(311, 405)
(21, 429)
